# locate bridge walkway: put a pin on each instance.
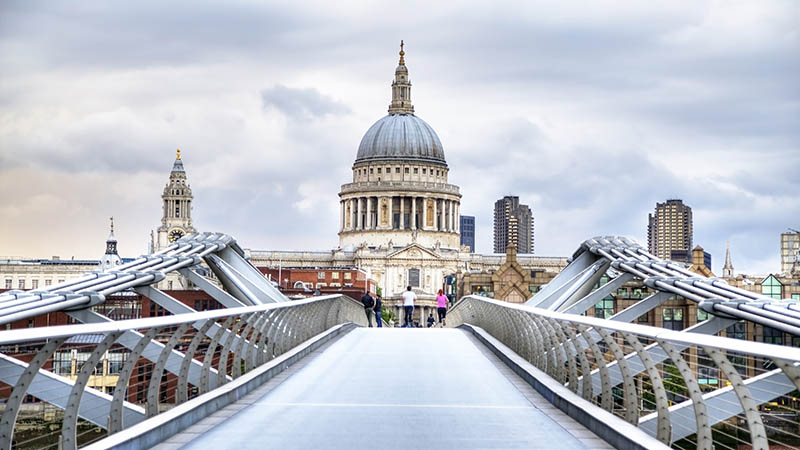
(392, 388)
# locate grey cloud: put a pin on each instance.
(301, 103)
(659, 98)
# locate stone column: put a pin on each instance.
(453, 215)
(436, 214)
(402, 213)
(359, 216)
(424, 213)
(449, 216)
(353, 214)
(445, 215)
(458, 218)
(369, 213)
(413, 213)
(341, 216)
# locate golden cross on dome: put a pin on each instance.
(178, 156)
(402, 53)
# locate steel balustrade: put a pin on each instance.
(569, 348)
(261, 333)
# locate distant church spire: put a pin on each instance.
(401, 88)
(111, 242)
(727, 269)
(111, 258)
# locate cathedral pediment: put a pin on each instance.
(413, 251)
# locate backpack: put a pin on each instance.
(368, 301)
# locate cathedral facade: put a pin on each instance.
(399, 215)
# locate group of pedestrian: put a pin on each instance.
(373, 305)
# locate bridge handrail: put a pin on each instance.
(591, 356)
(37, 334)
(215, 346)
(655, 333)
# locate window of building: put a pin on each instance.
(62, 362)
(379, 170)
(320, 275)
(396, 170)
(416, 170)
(406, 170)
(672, 318)
(21, 284)
(707, 372)
(604, 308)
(60, 281)
(796, 297)
(8, 283)
(320, 285)
(773, 336)
(347, 275)
(737, 331)
(771, 287)
(48, 282)
(335, 275)
(413, 277)
(371, 170)
(644, 319)
(116, 360)
(739, 360)
(702, 315)
(34, 284)
(424, 171)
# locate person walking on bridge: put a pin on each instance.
(441, 310)
(368, 303)
(408, 306)
(377, 309)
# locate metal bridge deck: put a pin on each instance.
(392, 388)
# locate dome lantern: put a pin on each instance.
(401, 88)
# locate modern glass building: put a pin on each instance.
(467, 228)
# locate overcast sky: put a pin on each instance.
(591, 112)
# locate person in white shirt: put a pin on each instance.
(408, 306)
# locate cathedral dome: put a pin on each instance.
(401, 137)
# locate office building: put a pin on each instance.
(467, 229)
(513, 222)
(669, 228)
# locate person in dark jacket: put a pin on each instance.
(377, 309)
(368, 303)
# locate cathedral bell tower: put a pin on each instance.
(176, 217)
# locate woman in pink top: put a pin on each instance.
(441, 301)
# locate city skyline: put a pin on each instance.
(269, 104)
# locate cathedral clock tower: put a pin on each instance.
(176, 218)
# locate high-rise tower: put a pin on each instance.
(513, 222)
(670, 228)
(176, 218)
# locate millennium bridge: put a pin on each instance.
(268, 372)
